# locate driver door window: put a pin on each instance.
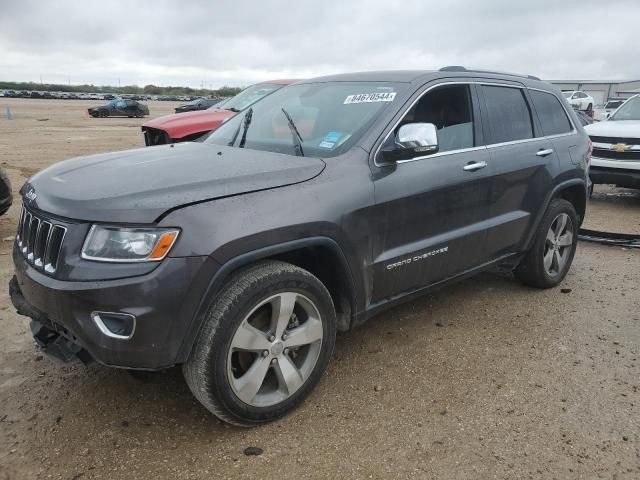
(449, 108)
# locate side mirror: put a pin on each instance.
(412, 140)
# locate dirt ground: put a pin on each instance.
(484, 379)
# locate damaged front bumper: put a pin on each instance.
(54, 340)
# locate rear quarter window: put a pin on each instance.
(553, 118)
(508, 114)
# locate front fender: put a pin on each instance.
(234, 264)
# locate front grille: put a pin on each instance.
(614, 140)
(612, 154)
(40, 240)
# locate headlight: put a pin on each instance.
(115, 244)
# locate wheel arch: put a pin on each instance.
(321, 256)
(574, 191)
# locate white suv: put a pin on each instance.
(579, 100)
(616, 146)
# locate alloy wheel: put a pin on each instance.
(557, 247)
(274, 349)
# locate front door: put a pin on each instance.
(431, 212)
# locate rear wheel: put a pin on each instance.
(549, 259)
(265, 344)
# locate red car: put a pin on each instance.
(188, 126)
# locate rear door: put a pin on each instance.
(120, 107)
(522, 163)
(131, 108)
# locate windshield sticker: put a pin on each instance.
(333, 136)
(370, 98)
(325, 144)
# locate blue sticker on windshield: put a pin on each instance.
(333, 137)
(325, 144)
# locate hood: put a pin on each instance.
(615, 128)
(138, 186)
(180, 125)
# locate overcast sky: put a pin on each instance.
(221, 42)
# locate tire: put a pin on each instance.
(238, 338)
(589, 107)
(549, 243)
(104, 113)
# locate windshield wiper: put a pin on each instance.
(247, 121)
(297, 138)
(232, 109)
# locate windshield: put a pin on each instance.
(630, 110)
(325, 119)
(250, 95)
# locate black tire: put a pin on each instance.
(531, 270)
(207, 369)
(589, 107)
(104, 113)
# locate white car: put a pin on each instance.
(616, 146)
(579, 100)
(603, 113)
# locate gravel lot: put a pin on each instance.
(485, 379)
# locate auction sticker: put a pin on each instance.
(370, 98)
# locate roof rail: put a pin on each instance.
(460, 68)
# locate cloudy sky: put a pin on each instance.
(222, 42)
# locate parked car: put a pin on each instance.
(6, 197)
(583, 118)
(611, 106)
(579, 100)
(616, 146)
(318, 207)
(120, 108)
(193, 125)
(198, 104)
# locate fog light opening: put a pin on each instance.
(115, 325)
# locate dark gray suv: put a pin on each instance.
(241, 256)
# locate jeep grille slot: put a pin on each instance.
(40, 240)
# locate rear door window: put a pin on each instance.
(508, 114)
(553, 118)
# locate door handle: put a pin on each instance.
(472, 167)
(544, 153)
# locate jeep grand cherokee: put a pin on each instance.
(315, 209)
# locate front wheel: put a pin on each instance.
(549, 259)
(265, 343)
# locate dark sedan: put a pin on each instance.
(583, 117)
(5, 192)
(120, 108)
(198, 104)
